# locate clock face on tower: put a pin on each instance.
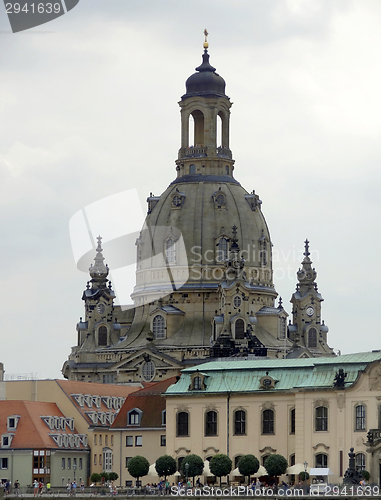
(310, 311)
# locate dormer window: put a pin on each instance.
(134, 417)
(197, 382)
(158, 327)
(219, 199)
(12, 422)
(6, 440)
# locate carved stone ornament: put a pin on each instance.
(267, 449)
(182, 449)
(182, 408)
(268, 405)
(322, 445)
(375, 380)
(321, 402)
(341, 401)
(211, 448)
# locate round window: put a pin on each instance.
(220, 199)
(148, 371)
(176, 201)
(237, 301)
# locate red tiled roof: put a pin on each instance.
(71, 387)
(31, 430)
(149, 400)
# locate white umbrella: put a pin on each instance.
(206, 471)
(177, 474)
(236, 472)
(152, 471)
(297, 469)
(261, 472)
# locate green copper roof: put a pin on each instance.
(245, 375)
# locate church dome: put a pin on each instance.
(206, 81)
(196, 215)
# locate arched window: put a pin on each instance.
(102, 336)
(197, 383)
(182, 423)
(170, 250)
(222, 253)
(263, 459)
(219, 131)
(192, 168)
(211, 423)
(179, 462)
(148, 371)
(220, 200)
(360, 414)
(133, 417)
(321, 418)
(240, 422)
(198, 118)
(227, 171)
(312, 337)
(292, 421)
(237, 301)
(236, 460)
(107, 459)
(268, 422)
(360, 461)
(239, 329)
(321, 460)
(158, 327)
(292, 460)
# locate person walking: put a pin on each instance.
(16, 487)
(35, 488)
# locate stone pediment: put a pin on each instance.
(134, 360)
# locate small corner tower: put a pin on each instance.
(308, 329)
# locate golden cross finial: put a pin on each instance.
(206, 44)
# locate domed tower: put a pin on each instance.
(204, 278)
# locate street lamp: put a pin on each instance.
(305, 473)
(186, 475)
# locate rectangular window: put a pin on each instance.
(11, 423)
(100, 439)
(163, 440)
(129, 440)
(63, 465)
(95, 459)
(4, 462)
(100, 459)
(292, 421)
(321, 418)
(106, 440)
(5, 441)
(74, 462)
(268, 422)
(138, 440)
(80, 464)
(163, 417)
(360, 418)
(128, 483)
(240, 422)
(127, 460)
(95, 439)
(112, 439)
(69, 463)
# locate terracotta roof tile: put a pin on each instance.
(150, 401)
(31, 430)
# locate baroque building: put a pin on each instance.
(204, 278)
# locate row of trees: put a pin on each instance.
(220, 465)
(104, 477)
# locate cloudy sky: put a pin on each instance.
(88, 107)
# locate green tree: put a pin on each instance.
(113, 476)
(276, 465)
(165, 466)
(95, 477)
(104, 476)
(220, 465)
(196, 466)
(365, 475)
(304, 476)
(138, 466)
(248, 465)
